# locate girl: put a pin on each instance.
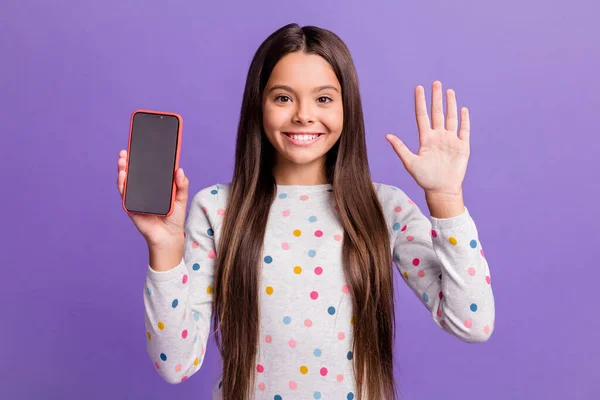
(292, 259)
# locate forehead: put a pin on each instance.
(303, 71)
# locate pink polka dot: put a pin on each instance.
(440, 295)
(195, 244)
(421, 273)
(304, 197)
(345, 289)
(184, 315)
(261, 386)
(403, 229)
(212, 254)
(203, 351)
(293, 385)
(184, 379)
(398, 209)
(416, 262)
(442, 322)
(486, 329)
(341, 336)
(205, 210)
(178, 367)
(314, 295)
(285, 246)
(439, 312)
(488, 280)
(286, 213)
(471, 271)
(433, 233)
(292, 343)
(410, 238)
(308, 323)
(221, 212)
(318, 271)
(318, 233)
(340, 378)
(468, 323)
(184, 235)
(268, 339)
(184, 333)
(323, 371)
(481, 252)
(410, 201)
(184, 279)
(337, 238)
(156, 365)
(260, 368)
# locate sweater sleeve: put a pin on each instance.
(442, 261)
(178, 302)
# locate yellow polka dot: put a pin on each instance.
(269, 290)
(161, 326)
(352, 320)
(303, 370)
(297, 232)
(405, 274)
(196, 361)
(297, 269)
(149, 335)
(209, 289)
(452, 240)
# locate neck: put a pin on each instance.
(300, 174)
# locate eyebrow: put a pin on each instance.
(315, 90)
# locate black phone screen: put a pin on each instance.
(152, 156)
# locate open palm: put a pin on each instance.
(440, 164)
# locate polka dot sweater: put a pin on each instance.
(305, 305)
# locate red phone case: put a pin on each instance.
(172, 207)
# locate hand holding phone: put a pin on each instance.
(153, 189)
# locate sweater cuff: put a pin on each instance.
(162, 276)
(453, 222)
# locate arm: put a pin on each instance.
(442, 261)
(178, 302)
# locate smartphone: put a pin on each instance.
(153, 159)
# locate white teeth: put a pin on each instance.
(304, 137)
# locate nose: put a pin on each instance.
(304, 114)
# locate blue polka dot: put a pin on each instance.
(282, 196)
(277, 397)
(397, 256)
(196, 316)
(317, 352)
(268, 259)
(331, 310)
(149, 291)
(349, 355)
(473, 243)
(313, 219)
(394, 188)
(473, 307)
(195, 338)
(425, 297)
(350, 396)
(287, 320)
(196, 267)
(175, 302)
(396, 226)
(220, 384)
(312, 253)
(213, 192)
(210, 232)
(317, 395)
(219, 187)
(163, 356)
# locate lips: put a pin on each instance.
(302, 138)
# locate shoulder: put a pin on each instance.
(213, 195)
(391, 196)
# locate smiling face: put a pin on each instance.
(302, 117)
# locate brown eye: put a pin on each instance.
(282, 97)
(327, 99)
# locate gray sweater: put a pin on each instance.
(305, 304)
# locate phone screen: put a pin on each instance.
(152, 156)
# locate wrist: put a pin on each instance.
(166, 256)
(445, 205)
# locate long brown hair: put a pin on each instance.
(366, 252)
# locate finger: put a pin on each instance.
(423, 124)
(437, 106)
(122, 164)
(406, 156)
(123, 153)
(452, 115)
(182, 182)
(121, 181)
(465, 124)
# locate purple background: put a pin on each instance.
(73, 264)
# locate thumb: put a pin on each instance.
(406, 156)
(182, 182)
